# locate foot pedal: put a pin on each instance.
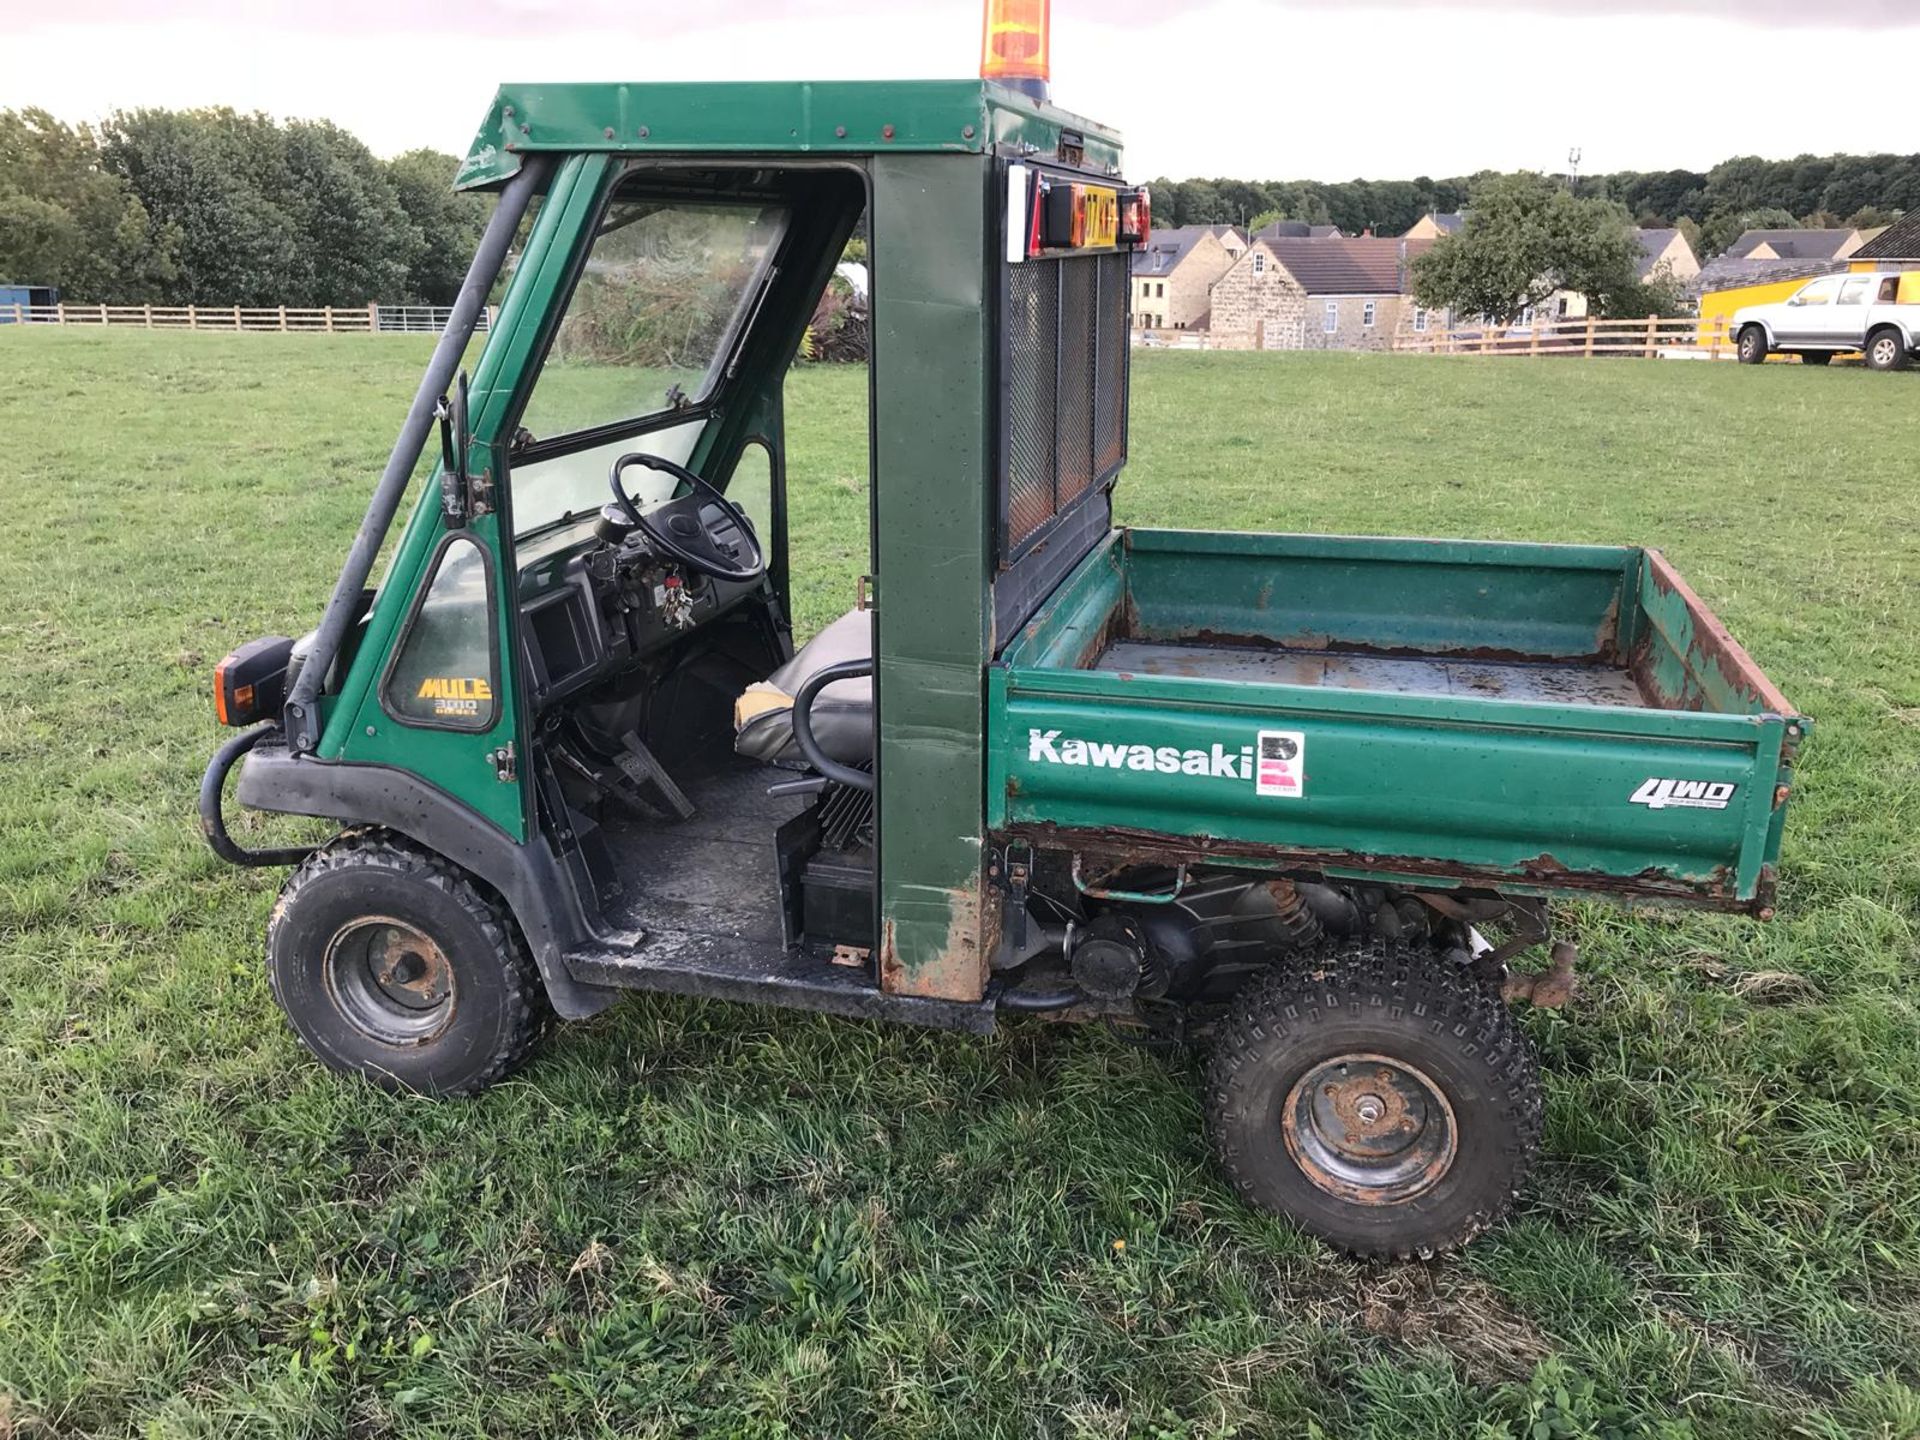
(650, 777)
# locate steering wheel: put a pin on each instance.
(677, 527)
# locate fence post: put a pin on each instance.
(1713, 345)
(373, 316)
(283, 317)
(329, 319)
(60, 311)
(1589, 350)
(193, 317)
(103, 314)
(146, 312)
(1653, 322)
(19, 313)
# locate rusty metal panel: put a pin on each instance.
(931, 405)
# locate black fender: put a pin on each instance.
(536, 886)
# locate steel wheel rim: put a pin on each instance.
(1749, 345)
(1369, 1129)
(1883, 352)
(389, 980)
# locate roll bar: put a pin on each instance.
(300, 714)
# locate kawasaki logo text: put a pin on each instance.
(1046, 747)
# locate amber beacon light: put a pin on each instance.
(1013, 45)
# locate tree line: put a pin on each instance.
(1713, 206)
(213, 207)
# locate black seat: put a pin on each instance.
(842, 713)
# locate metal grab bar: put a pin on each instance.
(803, 724)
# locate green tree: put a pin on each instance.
(449, 223)
(1527, 236)
(67, 221)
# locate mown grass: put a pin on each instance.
(693, 1218)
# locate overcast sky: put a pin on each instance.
(1259, 89)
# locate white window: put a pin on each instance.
(1367, 315)
(1259, 263)
(1419, 319)
(1332, 322)
(1160, 290)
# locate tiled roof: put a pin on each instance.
(1899, 241)
(1793, 244)
(1652, 244)
(1165, 249)
(1727, 272)
(1296, 230)
(1361, 265)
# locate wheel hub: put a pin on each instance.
(389, 980)
(1369, 1129)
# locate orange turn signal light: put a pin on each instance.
(1013, 45)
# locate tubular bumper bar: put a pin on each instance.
(213, 823)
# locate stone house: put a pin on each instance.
(1663, 252)
(1344, 293)
(1173, 271)
(1795, 245)
(1432, 226)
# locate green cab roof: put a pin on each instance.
(797, 117)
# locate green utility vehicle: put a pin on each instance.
(1301, 797)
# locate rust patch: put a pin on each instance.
(1606, 640)
(1316, 640)
(1122, 846)
(959, 970)
(1712, 641)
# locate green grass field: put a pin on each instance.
(691, 1218)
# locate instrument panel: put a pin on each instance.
(595, 598)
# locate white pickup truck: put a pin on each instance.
(1872, 313)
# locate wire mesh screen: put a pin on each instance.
(1066, 386)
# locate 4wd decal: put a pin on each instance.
(1657, 794)
(1275, 765)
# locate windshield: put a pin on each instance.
(653, 318)
(575, 484)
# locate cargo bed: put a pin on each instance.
(1542, 719)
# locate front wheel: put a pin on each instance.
(1753, 345)
(1886, 350)
(1379, 1097)
(391, 962)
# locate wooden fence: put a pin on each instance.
(1657, 337)
(329, 320)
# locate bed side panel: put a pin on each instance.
(1490, 599)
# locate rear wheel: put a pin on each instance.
(1752, 345)
(1887, 350)
(1378, 1097)
(393, 963)
(1816, 357)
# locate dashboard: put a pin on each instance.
(596, 597)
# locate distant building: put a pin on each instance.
(1296, 230)
(1898, 244)
(1435, 226)
(1173, 271)
(1662, 253)
(1332, 293)
(1795, 245)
